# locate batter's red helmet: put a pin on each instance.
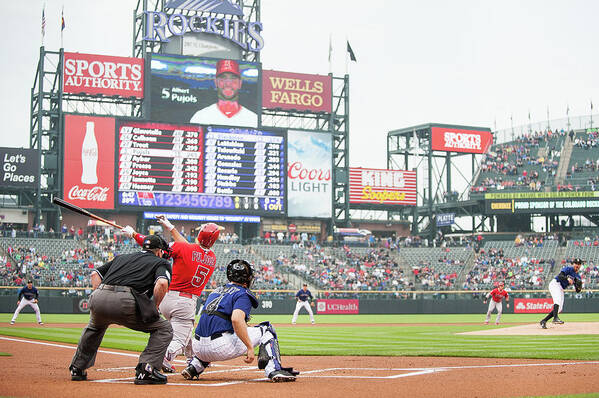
(208, 234)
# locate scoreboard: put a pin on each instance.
(211, 168)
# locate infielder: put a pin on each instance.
(567, 276)
(303, 297)
(497, 295)
(193, 265)
(28, 295)
(223, 333)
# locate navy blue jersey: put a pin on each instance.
(225, 299)
(303, 295)
(568, 271)
(29, 294)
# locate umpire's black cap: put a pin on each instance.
(154, 242)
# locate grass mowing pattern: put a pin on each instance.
(435, 339)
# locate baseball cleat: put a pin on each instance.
(543, 324)
(77, 374)
(167, 367)
(41, 323)
(486, 322)
(190, 372)
(496, 323)
(12, 322)
(558, 321)
(279, 376)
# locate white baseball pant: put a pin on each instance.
(24, 302)
(229, 346)
(180, 312)
(557, 293)
(492, 305)
(298, 306)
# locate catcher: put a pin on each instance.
(567, 276)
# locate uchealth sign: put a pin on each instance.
(383, 187)
(296, 91)
(309, 167)
(460, 140)
(102, 74)
(338, 306)
(89, 161)
(533, 306)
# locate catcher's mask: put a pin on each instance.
(240, 271)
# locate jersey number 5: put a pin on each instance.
(200, 276)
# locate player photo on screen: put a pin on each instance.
(205, 91)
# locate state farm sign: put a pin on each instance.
(296, 91)
(459, 140)
(532, 306)
(384, 187)
(339, 306)
(101, 74)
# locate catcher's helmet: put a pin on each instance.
(577, 261)
(240, 271)
(208, 235)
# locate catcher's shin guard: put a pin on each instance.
(269, 347)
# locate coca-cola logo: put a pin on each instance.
(96, 194)
(298, 171)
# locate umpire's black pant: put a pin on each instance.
(118, 306)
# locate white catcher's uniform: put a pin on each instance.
(22, 304)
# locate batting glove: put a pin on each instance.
(129, 231)
(165, 222)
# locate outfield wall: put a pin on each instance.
(77, 305)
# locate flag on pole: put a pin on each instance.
(62, 26)
(330, 47)
(568, 109)
(591, 105)
(43, 23)
(352, 56)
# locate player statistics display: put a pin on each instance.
(205, 90)
(196, 167)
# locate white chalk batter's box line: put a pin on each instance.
(315, 373)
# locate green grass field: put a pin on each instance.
(437, 337)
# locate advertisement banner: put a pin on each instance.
(445, 219)
(309, 183)
(533, 306)
(102, 74)
(205, 91)
(20, 168)
(545, 206)
(338, 306)
(296, 91)
(382, 187)
(459, 140)
(89, 161)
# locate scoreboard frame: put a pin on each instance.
(120, 121)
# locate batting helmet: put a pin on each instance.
(240, 271)
(208, 235)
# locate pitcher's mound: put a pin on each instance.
(535, 329)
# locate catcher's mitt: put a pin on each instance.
(578, 285)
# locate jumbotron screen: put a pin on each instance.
(228, 169)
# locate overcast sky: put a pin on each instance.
(459, 62)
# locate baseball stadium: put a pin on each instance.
(186, 219)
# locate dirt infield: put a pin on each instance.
(536, 330)
(39, 369)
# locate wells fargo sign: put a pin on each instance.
(296, 91)
(382, 187)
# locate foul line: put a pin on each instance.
(307, 374)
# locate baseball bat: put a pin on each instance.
(63, 203)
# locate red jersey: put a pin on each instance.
(495, 293)
(192, 266)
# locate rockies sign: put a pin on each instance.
(231, 26)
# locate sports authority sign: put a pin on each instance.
(102, 74)
(296, 91)
(382, 187)
(89, 161)
(460, 140)
(339, 306)
(532, 306)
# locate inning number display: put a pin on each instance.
(195, 167)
